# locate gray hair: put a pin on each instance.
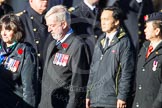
(60, 13)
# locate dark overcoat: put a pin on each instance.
(65, 74)
(134, 19)
(84, 21)
(36, 34)
(17, 76)
(4, 9)
(149, 79)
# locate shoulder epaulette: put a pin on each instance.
(121, 33)
(20, 13)
(71, 9)
(102, 41)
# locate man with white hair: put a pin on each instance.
(67, 62)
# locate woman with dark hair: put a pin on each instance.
(17, 66)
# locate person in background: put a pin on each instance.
(67, 64)
(134, 23)
(157, 5)
(18, 66)
(52, 3)
(149, 67)
(86, 21)
(112, 70)
(85, 18)
(4, 8)
(70, 4)
(36, 32)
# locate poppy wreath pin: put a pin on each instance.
(20, 51)
(65, 45)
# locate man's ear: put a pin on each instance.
(117, 22)
(30, 1)
(64, 24)
(157, 31)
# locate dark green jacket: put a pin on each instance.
(111, 72)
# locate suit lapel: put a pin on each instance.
(50, 51)
(63, 47)
(113, 41)
(87, 11)
(154, 54)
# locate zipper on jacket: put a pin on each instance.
(91, 86)
(101, 57)
(117, 78)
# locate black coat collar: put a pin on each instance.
(157, 51)
(34, 14)
(66, 44)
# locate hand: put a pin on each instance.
(87, 103)
(121, 104)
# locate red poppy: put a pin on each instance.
(64, 45)
(20, 51)
(146, 17)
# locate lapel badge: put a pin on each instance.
(113, 51)
(64, 45)
(20, 51)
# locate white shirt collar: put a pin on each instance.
(89, 5)
(67, 35)
(156, 44)
(111, 36)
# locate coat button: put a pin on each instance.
(34, 29)
(38, 55)
(139, 32)
(32, 17)
(143, 69)
(139, 87)
(137, 105)
(39, 68)
(37, 42)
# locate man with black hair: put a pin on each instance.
(112, 68)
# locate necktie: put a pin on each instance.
(106, 43)
(95, 11)
(57, 43)
(150, 48)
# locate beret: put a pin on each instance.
(154, 16)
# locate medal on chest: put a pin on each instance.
(61, 59)
(10, 63)
(154, 67)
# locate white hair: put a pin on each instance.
(60, 13)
